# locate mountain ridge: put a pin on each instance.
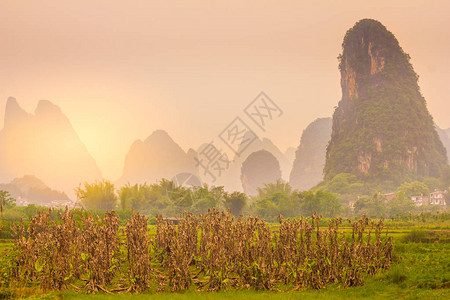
(44, 144)
(156, 157)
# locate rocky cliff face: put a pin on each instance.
(45, 145)
(259, 168)
(381, 127)
(156, 158)
(310, 156)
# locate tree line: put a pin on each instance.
(168, 199)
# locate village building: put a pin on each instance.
(420, 200)
(351, 204)
(390, 196)
(438, 198)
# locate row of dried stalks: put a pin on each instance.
(213, 251)
(216, 251)
(54, 253)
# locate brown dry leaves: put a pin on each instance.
(212, 252)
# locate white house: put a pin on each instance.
(438, 198)
(420, 200)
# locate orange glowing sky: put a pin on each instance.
(121, 69)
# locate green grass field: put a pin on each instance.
(420, 270)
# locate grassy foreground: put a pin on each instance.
(372, 291)
(420, 270)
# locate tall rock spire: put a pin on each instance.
(381, 127)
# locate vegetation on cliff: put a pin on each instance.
(382, 130)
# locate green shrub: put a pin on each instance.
(415, 236)
(397, 274)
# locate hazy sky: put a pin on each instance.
(122, 69)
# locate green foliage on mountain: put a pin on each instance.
(382, 131)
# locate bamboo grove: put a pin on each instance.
(208, 252)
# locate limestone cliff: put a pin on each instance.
(381, 127)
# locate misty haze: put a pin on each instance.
(253, 149)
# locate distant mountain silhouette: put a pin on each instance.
(259, 168)
(310, 156)
(31, 190)
(155, 158)
(46, 145)
(444, 135)
(230, 178)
